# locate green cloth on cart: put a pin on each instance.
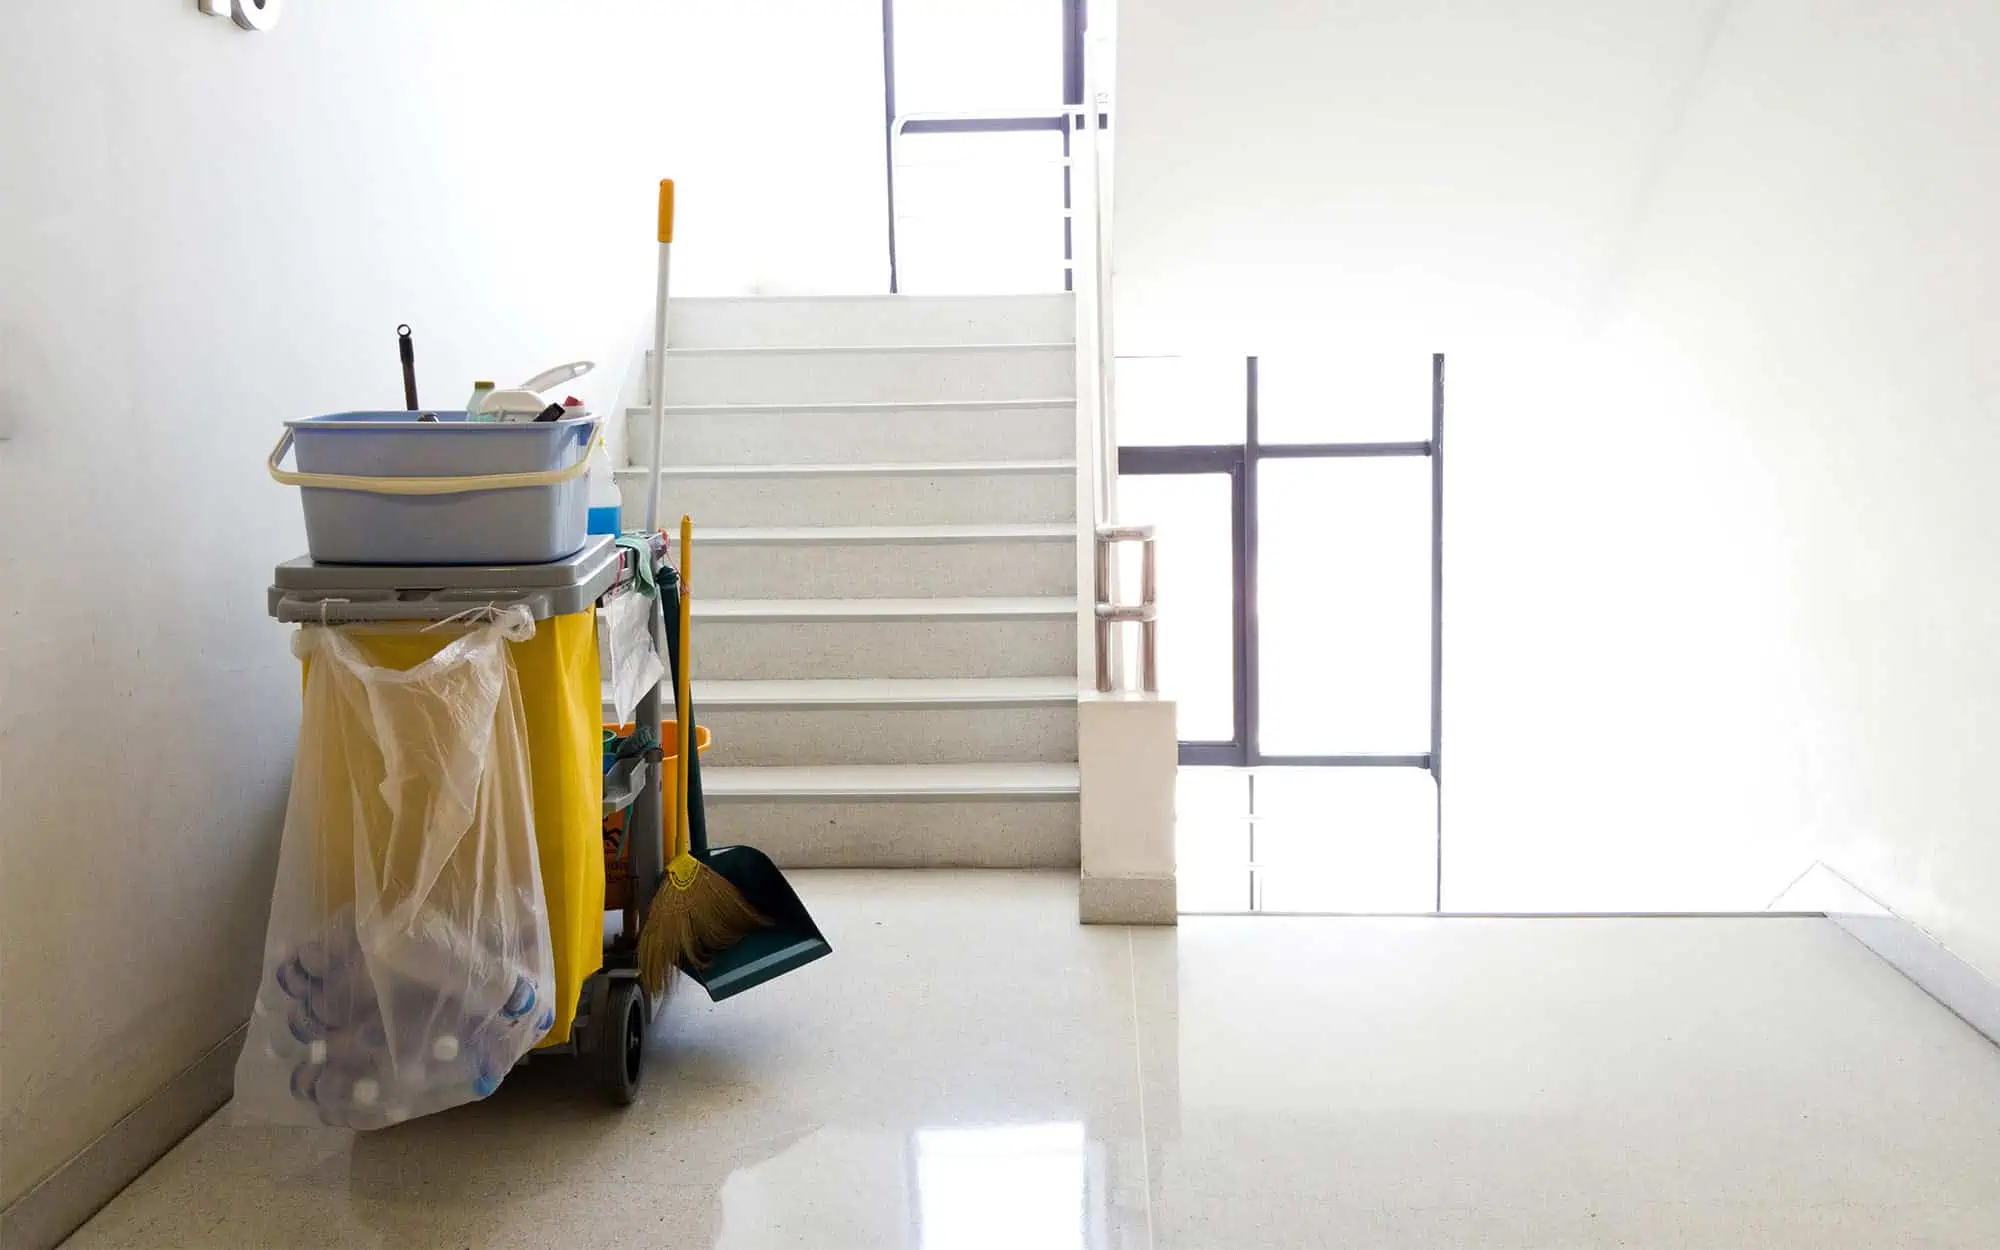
(641, 546)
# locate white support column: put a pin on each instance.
(1128, 755)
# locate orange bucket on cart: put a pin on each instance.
(617, 848)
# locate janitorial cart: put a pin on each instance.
(447, 902)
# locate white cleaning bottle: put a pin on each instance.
(480, 392)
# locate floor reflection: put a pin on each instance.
(957, 1188)
(1020, 1185)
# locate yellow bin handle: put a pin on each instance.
(429, 485)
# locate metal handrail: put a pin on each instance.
(1095, 337)
(1105, 485)
(1060, 113)
(1144, 613)
(1091, 282)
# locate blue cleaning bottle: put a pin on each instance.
(605, 501)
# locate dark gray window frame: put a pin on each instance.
(1075, 17)
(1241, 462)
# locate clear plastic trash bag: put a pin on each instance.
(407, 965)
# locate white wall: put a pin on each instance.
(1395, 169)
(203, 232)
(1720, 283)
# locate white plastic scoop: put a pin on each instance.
(525, 402)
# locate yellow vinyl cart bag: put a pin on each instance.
(558, 677)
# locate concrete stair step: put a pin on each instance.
(913, 493)
(997, 429)
(890, 561)
(906, 721)
(818, 375)
(762, 639)
(899, 816)
(869, 320)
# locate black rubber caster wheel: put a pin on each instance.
(621, 1048)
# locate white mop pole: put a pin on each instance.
(659, 379)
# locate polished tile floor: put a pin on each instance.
(972, 1070)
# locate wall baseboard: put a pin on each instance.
(1128, 900)
(60, 1203)
(1903, 945)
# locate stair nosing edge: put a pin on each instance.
(1057, 696)
(846, 789)
(884, 535)
(866, 405)
(864, 297)
(890, 796)
(875, 349)
(1055, 608)
(837, 469)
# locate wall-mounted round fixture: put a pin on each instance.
(249, 14)
(257, 14)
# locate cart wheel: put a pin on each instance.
(621, 1048)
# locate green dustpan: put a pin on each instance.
(792, 940)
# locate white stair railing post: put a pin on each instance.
(1127, 758)
(1145, 613)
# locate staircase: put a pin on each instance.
(885, 575)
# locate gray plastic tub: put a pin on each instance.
(443, 510)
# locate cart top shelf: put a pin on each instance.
(306, 592)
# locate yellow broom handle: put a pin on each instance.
(683, 693)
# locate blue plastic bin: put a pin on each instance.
(441, 513)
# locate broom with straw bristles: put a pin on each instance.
(695, 912)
